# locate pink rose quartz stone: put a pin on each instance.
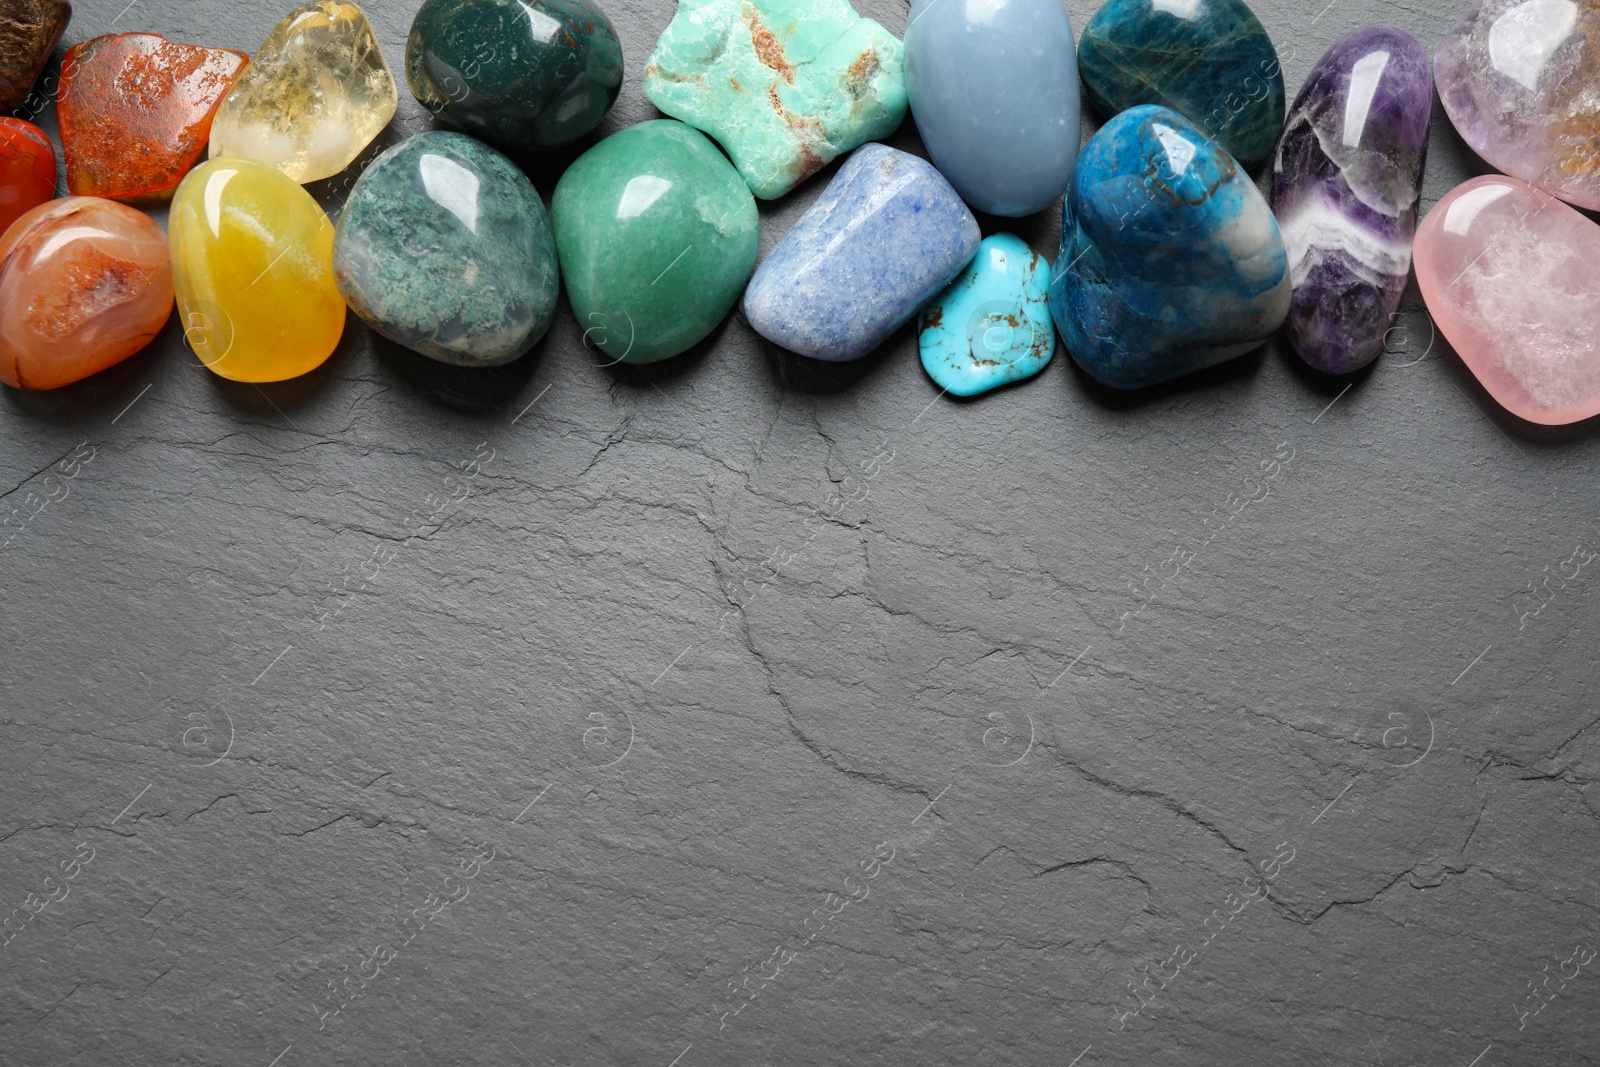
(1511, 275)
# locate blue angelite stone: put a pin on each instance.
(883, 238)
(1170, 259)
(994, 90)
(992, 326)
(1210, 60)
(445, 247)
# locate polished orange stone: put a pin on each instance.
(136, 110)
(84, 283)
(27, 169)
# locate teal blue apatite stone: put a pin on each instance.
(1209, 60)
(992, 326)
(445, 247)
(1170, 258)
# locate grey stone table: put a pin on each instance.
(743, 710)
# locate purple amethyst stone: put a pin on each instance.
(1345, 186)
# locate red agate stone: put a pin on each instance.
(27, 169)
(136, 111)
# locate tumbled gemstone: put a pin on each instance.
(1209, 60)
(885, 236)
(657, 235)
(252, 260)
(518, 73)
(994, 90)
(135, 111)
(786, 86)
(84, 284)
(992, 326)
(1170, 258)
(29, 30)
(1508, 273)
(1345, 189)
(315, 94)
(27, 169)
(445, 247)
(1521, 81)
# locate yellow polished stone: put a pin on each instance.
(252, 262)
(315, 94)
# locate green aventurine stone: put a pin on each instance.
(785, 85)
(657, 235)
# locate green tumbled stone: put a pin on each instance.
(657, 236)
(785, 85)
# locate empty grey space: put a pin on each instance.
(745, 710)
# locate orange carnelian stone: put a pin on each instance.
(84, 283)
(27, 169)
(136, 111)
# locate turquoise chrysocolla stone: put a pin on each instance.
(445, 247)
(1209, 60)
(657, 235)
(992, 326)
(1170, 258)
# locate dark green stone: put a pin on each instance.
(1209, 60)
(518, 73)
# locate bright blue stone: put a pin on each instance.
(1170, 258)
(992, 326)
(885, 236)
(994, 90)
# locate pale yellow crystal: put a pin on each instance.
(315, 94)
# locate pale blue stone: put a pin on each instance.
(885, 236)
(994, 90)
(992, 326)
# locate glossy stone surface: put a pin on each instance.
(994, 90)
(135, 111)
(27, 169)
(1519, 79)
(884, 238)
(1170, 258)
(992, 326)
(252, 261)
(315, 94)
(1509, 275)
(786, 86)
(29, 30)
(84, 283)
(1209, 60)
(445, 247)
(657, 235)
(517, 73)
(1344, 188)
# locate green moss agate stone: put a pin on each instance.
(786, 86)
(657, 235)
(518, 73)
(445, 247)
(1209, 60)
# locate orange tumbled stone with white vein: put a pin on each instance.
(84, 283)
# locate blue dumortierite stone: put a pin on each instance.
(994, 90)
(1210, 60)
(992, 326)
(445, 247)
(1170, 259)
(885, 236)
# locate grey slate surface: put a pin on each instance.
(705, 640)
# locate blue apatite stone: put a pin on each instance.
(992, 326)
(994, 90)
(885, 236)
(445, 247)
(1170, 259)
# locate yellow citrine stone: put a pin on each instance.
(315, 94)
(252, 263)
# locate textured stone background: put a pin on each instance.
(738, 624)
